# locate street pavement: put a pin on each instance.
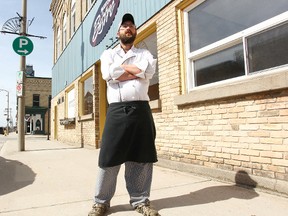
(57, 179)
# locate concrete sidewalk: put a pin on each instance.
(56, 179)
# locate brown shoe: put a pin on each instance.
(98, 210)
(147, 210)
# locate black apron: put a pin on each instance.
(129, 134)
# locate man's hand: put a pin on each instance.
(126, 76)
(132, 69)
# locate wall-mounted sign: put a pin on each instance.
(103, 20)
(67, 121)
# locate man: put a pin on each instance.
(129, 133)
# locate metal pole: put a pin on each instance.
(21, 99)
(49, 106)
(8, 113)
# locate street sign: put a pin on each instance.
(19, 85)
(23, 46)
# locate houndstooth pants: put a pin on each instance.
(138, 177)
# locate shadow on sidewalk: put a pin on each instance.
(205, 195)
(14, 175)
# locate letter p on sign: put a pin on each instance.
(23, 42)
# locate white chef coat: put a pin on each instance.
(130, 90)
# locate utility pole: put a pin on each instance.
(22, 46)
(21, 98)
(8, 113)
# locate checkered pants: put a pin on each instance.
(138, 177)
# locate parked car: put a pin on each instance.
(2, 130)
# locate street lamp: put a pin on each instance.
(8, 111)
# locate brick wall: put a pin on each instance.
(41, 86)
(83, 132)
(248, 133)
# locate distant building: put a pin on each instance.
(30, 71)
(37, 92)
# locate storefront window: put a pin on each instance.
(150, 43)
(268, 49)
(71, 103)
(232, 38)
(88, 96)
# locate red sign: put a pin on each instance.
(103, 20)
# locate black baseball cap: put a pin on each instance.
(127, 17)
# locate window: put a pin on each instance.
(73, 16)
(64, 35)
(268, 49)
(36, 100)
(89, 4)
(38, 125)
(231, 38)
(58, 43)
(88, 96)
(71, 103)
(150, 43)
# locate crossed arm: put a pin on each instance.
(130, 72)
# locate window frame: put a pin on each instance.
(232, 40)
(36, 101)
(144, 33)
(58, 43)
(81, 114)
(73, 17)
(70, 90)
(64, 30)
(254, 82)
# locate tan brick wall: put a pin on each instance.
(247, 133)
(41, 86)
(83, 132)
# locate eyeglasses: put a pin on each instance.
(125, 26)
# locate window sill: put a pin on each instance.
(266, 81)
(87, 117)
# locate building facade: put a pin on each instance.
(219, 97)
(38, 90)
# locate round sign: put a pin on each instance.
(103, 20)
(23, 46)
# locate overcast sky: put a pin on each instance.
(41, 57)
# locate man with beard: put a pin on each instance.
(129, 132)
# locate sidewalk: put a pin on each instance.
(56, 179)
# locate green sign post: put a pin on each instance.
(23, 46)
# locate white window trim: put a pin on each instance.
(272, 79)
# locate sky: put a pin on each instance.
(41, 57)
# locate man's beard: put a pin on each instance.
(127, 40)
